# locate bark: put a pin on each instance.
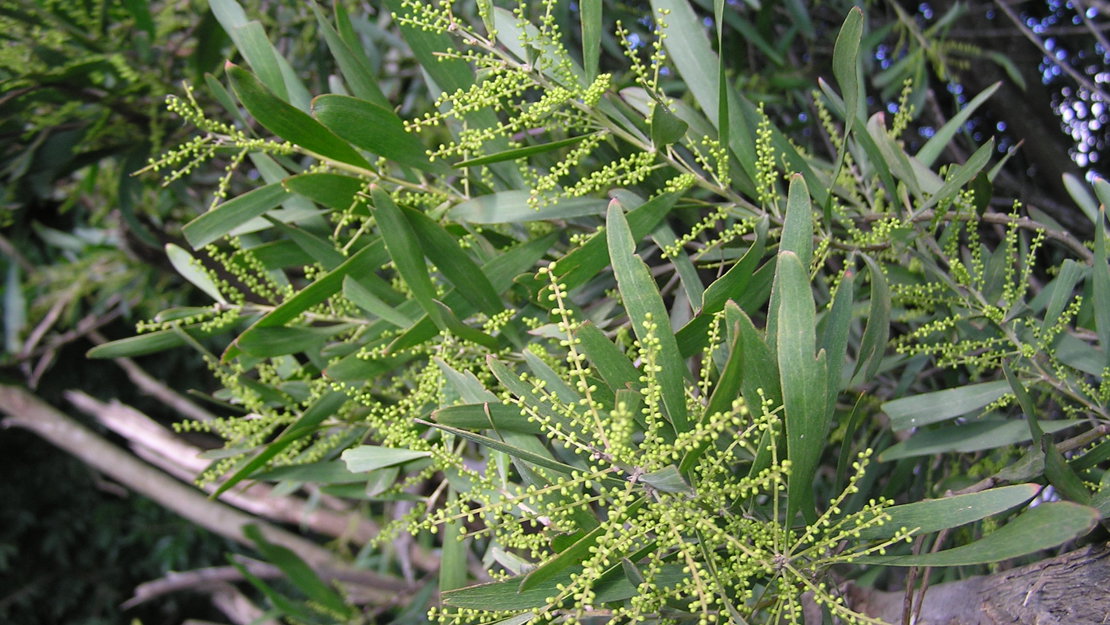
(162, 448)
(1071, 589)
(27, 411)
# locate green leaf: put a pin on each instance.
(289, 122)
(373, 128)
(500, 270)
(1062, 292)
(512, 207)
(276, 341)
(315, 414)
(667, 480)
(515, 452)
(919, 410)
(353, 64)
(933, 148)
(518, 153)
(797, 230)
(612, 363)
(591, 19)
(968, 437)
(834, 335)
(486, 416)
(368, 259)
(186, 265)
(299, 573)
(251, 41)
(877, 331)
(846, 64)
(323, 472)
(572, 555)
(1100, 286)
(460, 270)
(1043, 527)
(335, 191)
(804, 381)
(15, 311)
(644, 304)
(149, 343)
(938, 514)
(587, 260)
(689, 48)
(365, 458)
(665, 127)
(367, 300)
(975, 163)
(738, 283)
(503, 595)
(233, 213)
(452, 558)
(404, 249)
(1062, 477)
(319, 249)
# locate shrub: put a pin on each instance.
(613, 341)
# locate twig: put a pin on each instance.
(160, 447)
(29, 412)
(197, 579)
(156, 389)
(1032, 37)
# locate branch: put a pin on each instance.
(205, 579)
(29, 412)
(162, 448)
(156, 389)
(1032, 37)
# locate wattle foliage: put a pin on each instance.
(614, 335)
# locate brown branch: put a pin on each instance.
(163, 449)
(147, 384)
(27, 411)
(1032, 37)
(199, 580)
(1066, 590)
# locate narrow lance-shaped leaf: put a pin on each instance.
(919, 410)
(289, 122)
(804, 381)
(877, 331)
(373, 128)
(185, 265)
(591, 18)
(1044, 527)
(834, 337)
(323, 408)
(452, 559)
(846, 64)
(368, 259)
(938, 514)
(518, 153)
(404, 249)
(935, 145)
(299, 573)
(1100, 285)
(797, 229)
(975, 163)
(233, 213)
(666, 128)
(365, 458)
(454, 263)
(644, 305)
(353, 64)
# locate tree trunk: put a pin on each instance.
(1071, 589)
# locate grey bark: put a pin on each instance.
(1071, 589)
